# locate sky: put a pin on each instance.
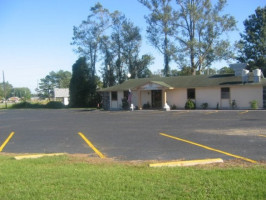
(35, 35)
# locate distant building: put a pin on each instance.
(62, 94)
(217, 91)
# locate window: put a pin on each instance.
(225, 93)
(126, 94)
(114, 96)
(191, 93)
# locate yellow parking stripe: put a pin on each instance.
(6, 141)
(262, 135)
(187, 163)
(91, 145)
(243, 112)
(211, 112)
(209, 148)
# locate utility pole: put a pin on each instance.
(4, 87)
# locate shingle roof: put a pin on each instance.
(185, 82)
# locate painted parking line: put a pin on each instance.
(187, 163)
(38, 156)
(262, 135)
(91, 145)
(6, 141)
(211, 112)
(243, 112)
(209, 148)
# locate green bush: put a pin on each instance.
(204, 106)
(173, 107)
(190, 105)
(27, 105)
(125, 104)
(54, 104)
(254, 104)
(146, 106)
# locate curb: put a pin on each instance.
(187, 163)
(37, 156)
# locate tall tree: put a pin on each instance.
(131, 46)
(88, 35)
(161, 27)
(117, 43)
(252, 46)
(108, 70)
(200, 29)
(79, 84)
(8, 90)
(23, 93)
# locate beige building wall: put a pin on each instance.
(145, 97)
(177, 97)
(211, 96)
(245, 94)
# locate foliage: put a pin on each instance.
(146, 105)
(204, 106)
(200, 29)
(80, 84)
(254, 105)
(174, 107)
(252, 46)
(226, 70)
(23, 93)
(54, 104)
(125, 104)
(88, 35)
(8, 89)
(161, 27)
(190, 105)
(60, 79)
(116, 40)
(51, 105)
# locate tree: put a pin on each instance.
(79, 84)
(118, 19)
(200, 27)
(108, 71)
(8, 90)
(60, 79)
(252, 46)
(161, 27)
(23, 93)
(226, 70)
(88, 35)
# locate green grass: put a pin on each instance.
(65, 178)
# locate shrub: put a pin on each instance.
(54, 104)
(190, 105)
(125, 104)
(173, 107)
(27, 105)
(254, 104)
(204, 106)
(146, 106)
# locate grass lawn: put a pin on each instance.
(67, 177)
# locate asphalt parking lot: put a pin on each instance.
(137, 135)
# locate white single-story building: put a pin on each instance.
(62, 94)
(220, 91)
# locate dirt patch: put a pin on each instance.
(237, 131)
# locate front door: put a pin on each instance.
(156, 98)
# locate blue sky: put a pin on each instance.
(35, 35)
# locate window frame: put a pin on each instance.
(114, 95)
(225, 93)
(191, 93)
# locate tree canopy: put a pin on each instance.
(60, 79)
(252, 46)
